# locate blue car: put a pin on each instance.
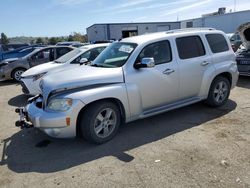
(17, 53)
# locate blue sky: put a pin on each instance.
(61, 17)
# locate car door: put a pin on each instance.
(42, 56)
(159, 85)
(193, 61)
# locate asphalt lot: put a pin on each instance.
(195, 146)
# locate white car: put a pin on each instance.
(31, 78)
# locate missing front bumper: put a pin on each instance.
(23, 119)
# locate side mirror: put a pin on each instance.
(83, 61)
(147, 62)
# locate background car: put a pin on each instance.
(76, 44)
(9, 47)
(243, 53)
(19, 52)
(15, 67)
(31, 78)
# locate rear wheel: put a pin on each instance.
(100, 122)
(16, 74)
(219, 92)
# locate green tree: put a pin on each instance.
(39, 40)
(77, 37)
(71, 38)
(53, 40)
(4, 39)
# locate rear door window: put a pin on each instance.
(190, 47)
(217, 43)
(47, 53)
(61, 51)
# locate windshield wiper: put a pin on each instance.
(96, 65)
(57, 61)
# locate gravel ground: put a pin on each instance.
(195, 146)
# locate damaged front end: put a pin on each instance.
(24, 121)
(244, 32)
(243, 53)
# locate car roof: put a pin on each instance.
(69, 42)
(52, 46)
(90, 46)
(158, 35)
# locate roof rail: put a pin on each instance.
(190, 29)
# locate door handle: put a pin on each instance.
(168, 71)
(205, 63)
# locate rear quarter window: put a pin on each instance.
(217, 43)
(190, 47)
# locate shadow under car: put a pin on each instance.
(32, 151)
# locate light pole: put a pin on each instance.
(234, 5)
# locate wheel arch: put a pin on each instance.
(227, 75)
(116, 101)
(209, 80)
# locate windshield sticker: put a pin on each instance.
(126, 48)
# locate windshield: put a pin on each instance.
(114, 55)
(68, 56)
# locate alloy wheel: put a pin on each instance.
(105, 122)
(17, 74)
(220, 91)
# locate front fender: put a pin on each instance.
(115, 91)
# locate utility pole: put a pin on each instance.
(234, 5)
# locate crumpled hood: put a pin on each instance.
(40, 69)
(244, 32)
(82, 76)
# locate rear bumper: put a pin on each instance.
(53, 124)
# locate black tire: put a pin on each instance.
(18, 71)
(89, 120)
(218, 96)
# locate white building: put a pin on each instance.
(227, 22)
(116, 31)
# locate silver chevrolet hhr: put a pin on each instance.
(132, 79)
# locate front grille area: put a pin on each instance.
(243, 61)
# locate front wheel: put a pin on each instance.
(219, 92)
(100, 122)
